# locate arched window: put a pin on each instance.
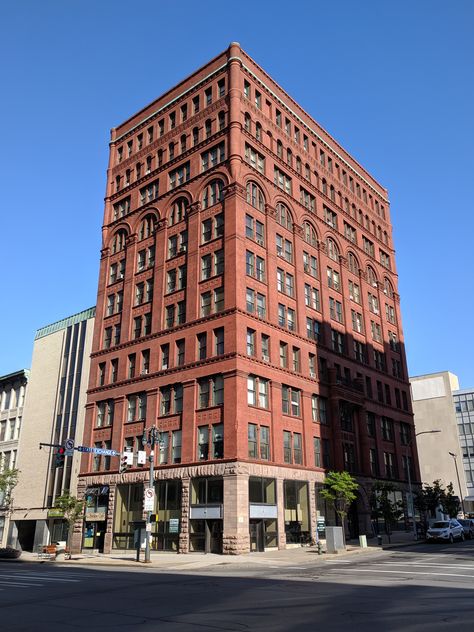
(247, 122)
(347, 206)
(333, 193)
(283, 216)
(119, 240)
(289, 157)
(298, 164)
(385, 237)
(258, 131)
(183, 143)
(171, 151)
(208, 127)
(212, 193)
(387, 287)
(324, 186)
(352, 263)
(310, 234)
(147, 227)
(371, 276)
(333, 250)
(195, 135)
(279, 149)
(178, 211)
(255, 196)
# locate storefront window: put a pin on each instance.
(297, 527)
(129, 508)
(262, 490)
(207, 491)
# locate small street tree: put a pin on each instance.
(8, 482)
(340, 489)
(385, 506)
(71, 508)
(432, 497)
(450, 502)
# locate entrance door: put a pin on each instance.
(94, 534)
(257, 535)
(214, 536)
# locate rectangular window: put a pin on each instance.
(282, 180)
(212, 157)
(219, 341)
(202, 345)
(265, 345)
(354, 292)
(254, 158)
(180, 175)
(250, 342)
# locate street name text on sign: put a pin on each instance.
(84, 448)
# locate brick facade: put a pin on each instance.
(245, 253)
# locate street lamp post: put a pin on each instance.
(459, 482)
(153, 438)
(410, 491)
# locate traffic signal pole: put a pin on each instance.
(152, 440)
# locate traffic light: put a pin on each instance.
(60, 456)
(126, 460)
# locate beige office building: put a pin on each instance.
(433, 398)
(53, 412)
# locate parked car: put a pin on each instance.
(445, 531)
(468, 526)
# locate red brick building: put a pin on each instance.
(248, 308)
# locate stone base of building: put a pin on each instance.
(227, 507)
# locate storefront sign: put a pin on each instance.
(55, 513)
(99, 490)
(202, 513)
(263, 511)
(321, 524)
(95, 516)
(173, 525)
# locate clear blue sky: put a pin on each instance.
(391, 81)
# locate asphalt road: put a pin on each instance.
(429, 587)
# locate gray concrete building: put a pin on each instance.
(12, 395)
(435, 403)
(53, 412)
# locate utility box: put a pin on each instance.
(334, 540)
(363, 541)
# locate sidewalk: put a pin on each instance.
(193, 561)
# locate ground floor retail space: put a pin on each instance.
(226, 508)
(31, 534)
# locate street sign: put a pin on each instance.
(103, 451)
(149, 499)
(141, 457)
(69, 444)
(69, 452)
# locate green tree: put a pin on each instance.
(432, 497)
(340, 489)
(8, 482)
(72, 509)
(450, 502)
(385, 506)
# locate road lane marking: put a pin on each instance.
(468, 568)
(23, 585)
(409, 572)
(40, 578)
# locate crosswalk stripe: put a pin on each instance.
(409, 572)
(41, 578)
(468, 568)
